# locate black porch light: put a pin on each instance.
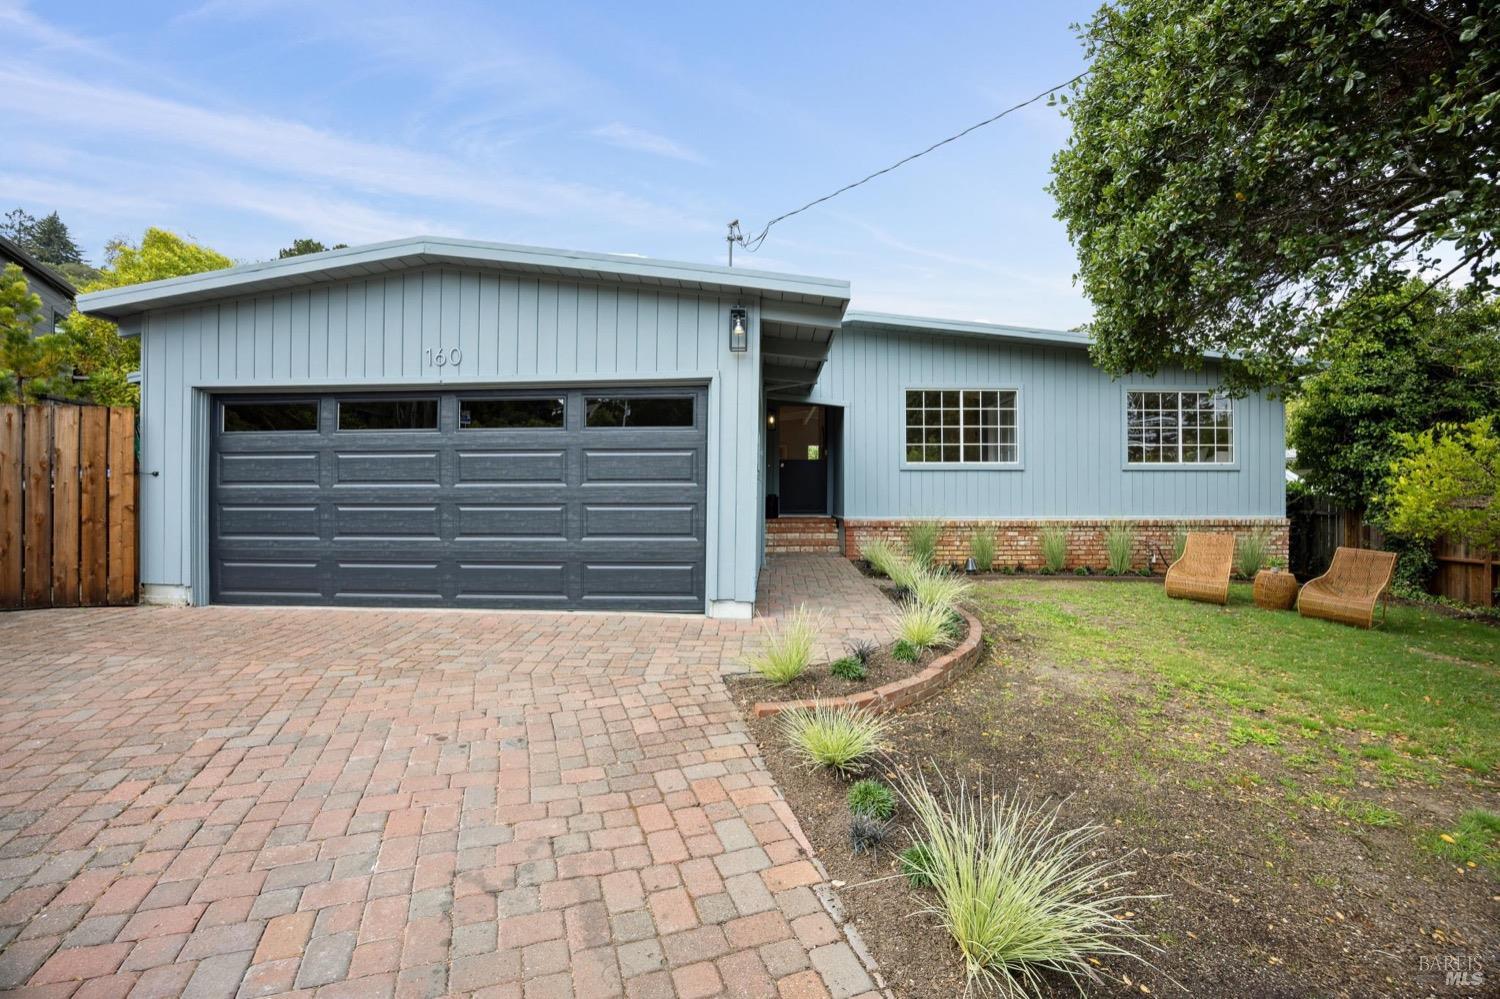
(739, 330)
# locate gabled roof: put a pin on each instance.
(854, 320)
(422, 251)
(11, 249)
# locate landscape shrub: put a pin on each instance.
(1250, 553)
(787, 650)
(1015, 889)
(841, 739)
(872, 797)
(1119, 546)
(921, 541)
(881, 554)
(915, 862)
(862, 649)
(848, 668)
(1054, 541)
(866, 833)
(940, 589)
(982, 548)
(923, 626)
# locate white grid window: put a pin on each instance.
(962, 426)
(1179, 428)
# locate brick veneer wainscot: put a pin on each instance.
(1018, 542)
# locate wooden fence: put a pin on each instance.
(1465, 573)
(67, 506)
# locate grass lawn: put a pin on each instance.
(1417, 699)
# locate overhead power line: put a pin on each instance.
(752, 243)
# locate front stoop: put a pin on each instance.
(802, 534)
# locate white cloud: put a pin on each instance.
(629, 137)
(284, 146)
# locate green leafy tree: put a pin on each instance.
(98, 352)
(1447, 484)
(30, 365)
(1237, 168)
(1383, 371)
(301, 247)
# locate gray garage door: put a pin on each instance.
(566, 498)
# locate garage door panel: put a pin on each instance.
(505, 581)
(402, 580)
(259, 578)
(640, 520)
(263, 520)
(380, 468)
(269, 469)
(541, 522)
(511, 466)
(680, 466)
(386, 520)
(520, 517)
(652, 580)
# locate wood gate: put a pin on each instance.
(67, 505)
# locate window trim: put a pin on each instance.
(1180, 466)
(1019, 465)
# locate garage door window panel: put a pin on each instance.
(639, 411)
(512, 414)
(388, 414)
(270, 417)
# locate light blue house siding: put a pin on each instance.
(378, 332)
(1072, 429)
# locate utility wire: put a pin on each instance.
(752, 243)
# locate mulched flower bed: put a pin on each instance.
(882, 668)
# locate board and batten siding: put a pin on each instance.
(1072, 427)
(376, 333)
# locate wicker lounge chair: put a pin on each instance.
(1349, 590)
(1203, 571)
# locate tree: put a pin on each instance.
(1238, 169)
(95, 348)
(1382, 371)
(51, 242)
(1447, 484)
(304, 246)
(47, 239)
(30, 365)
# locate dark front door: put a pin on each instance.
(560, 498)
(802, 453)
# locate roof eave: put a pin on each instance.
(379, 258)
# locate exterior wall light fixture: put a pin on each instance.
(739, 330)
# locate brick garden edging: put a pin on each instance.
(901, 693)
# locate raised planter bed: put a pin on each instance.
(898, 693)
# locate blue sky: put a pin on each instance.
(638, 128)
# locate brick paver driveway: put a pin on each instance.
(252, 802)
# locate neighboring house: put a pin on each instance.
(440, 422)
(56, 293)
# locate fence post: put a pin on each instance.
(11, 523)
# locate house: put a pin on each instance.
(442, 422)
(55, 291)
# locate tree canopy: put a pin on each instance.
(95, 348)
(1383, 370)
(30, 365)
(301, 247)
(1238, 168)
(1447, 484)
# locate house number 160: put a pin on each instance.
(443, 358)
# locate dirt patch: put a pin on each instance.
(1262, 896)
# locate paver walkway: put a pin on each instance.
(848, 603)
(254, 802)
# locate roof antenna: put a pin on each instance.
(734, 236)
